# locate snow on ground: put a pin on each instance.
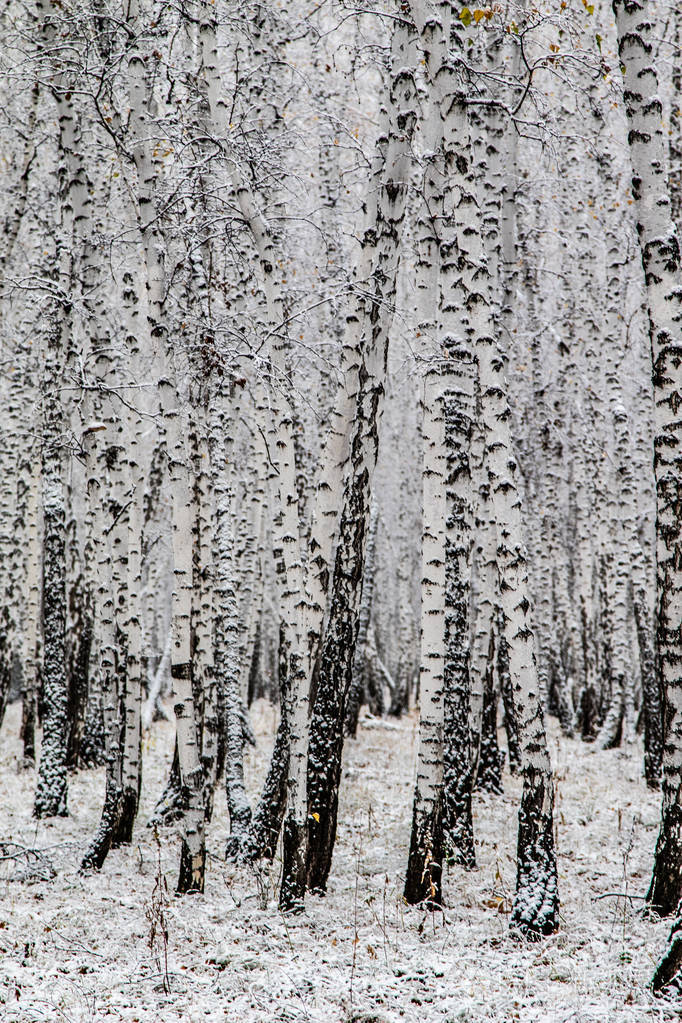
(76, 949)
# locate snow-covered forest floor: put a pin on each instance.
(77, 948)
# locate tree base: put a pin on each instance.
(535, 912)
(170, 808)
(424, 877)
(666, 885)
(668, 970)
(292, 892)
(322, 834)
(192, 871)
(99, 849)
(123, 832)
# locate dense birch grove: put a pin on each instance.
(341, 370)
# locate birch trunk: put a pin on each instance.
(375, 316)
(660, 252)
(51, 789)
(536, 904)
(423, 878)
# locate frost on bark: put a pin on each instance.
(335, 667)
(30, 466)
(459, 411)
(510, 722)
(489, 774)
(109, 682)
(660, 251)
(51, 790)
(266, 822)
(667, 973)
(358, 684)
(485, 571)
(423, 878)
(536, 905)
(675, 149)
(374, 315)
(193, 850)
(652, 703)
(227, 647)
(535, 909)
(81, 627)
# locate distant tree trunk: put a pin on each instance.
(266, 822)
(51, 790)
(227, 643)
(374, 314)
(459, 411)
(101, 492)
(510, 722)
(81, 624)
(358, 684)
(423, 878)
(30, 677)
(652, 704)
(193, 849)
(486, 575)
(489, 775)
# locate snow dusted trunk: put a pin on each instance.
(287, 527)
(459, 412)
(193, 852)
(131, 611)
(334, 667)
(536, 904)
(489, 773)
(675, 149)
(651, 692)
(507, 693)
(359, 676)
(423, 878)
(32, 609)
(99, 483)
(667, 971)
(212, 731)
(51, 789)
(459, 372)
(266, 822)
(176, 430)
(334, 672)
(267, 818)
(444, 319)
(227, 637)
(660, 251)
(485, 571)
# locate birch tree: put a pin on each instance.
(660, 253)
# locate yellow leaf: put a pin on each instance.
(316, 817)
